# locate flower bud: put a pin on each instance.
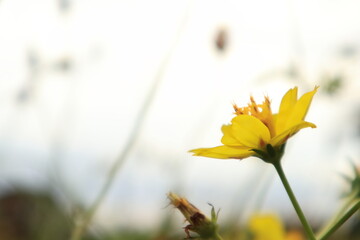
(198, 222)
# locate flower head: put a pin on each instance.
(256, 131)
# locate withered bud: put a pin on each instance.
(198, 222)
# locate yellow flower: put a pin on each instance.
(256, 131)
(266, 227)
(270, 227)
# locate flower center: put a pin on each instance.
(260, 111)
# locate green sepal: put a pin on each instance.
(271, 155)
(260, 154)
(214, 215)
(209, 229)
(270, 150)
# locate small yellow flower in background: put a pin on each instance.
(270, 227)
(198, 222)
(256, 131)
(266, 227)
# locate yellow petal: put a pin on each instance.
(301, 107)
(245, 131)
(292, 111)
(289, 100)
(223, 152)
(282, 137)
(228, 136)
(286, 106)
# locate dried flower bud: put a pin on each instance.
(198, 222)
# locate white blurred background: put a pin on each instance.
(76, 77)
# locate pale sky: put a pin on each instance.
(70, 125)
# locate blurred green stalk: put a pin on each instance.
(85, 219)
(339, 222)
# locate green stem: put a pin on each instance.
(218, 237)
(336, 217)
(304, 222)
(341, 221)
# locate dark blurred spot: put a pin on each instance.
(64, 5)
(293, 71)
(23, 95)
(221, 40)
(349, 51)
(63, 65)
(33, 63)
(29, 215)
(32, 59)
(357, 121)
(332, 84)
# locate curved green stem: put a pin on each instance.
(336, 217)
(340, 222)
(218, 237)
(304, 222)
